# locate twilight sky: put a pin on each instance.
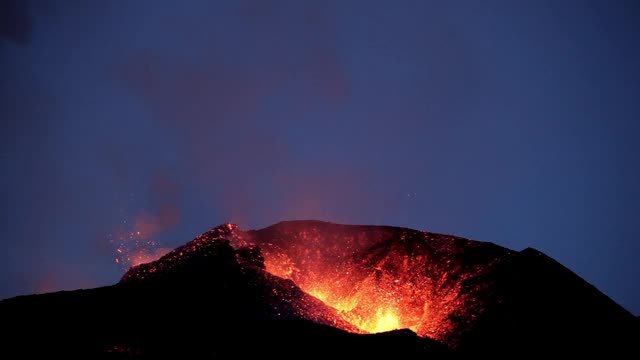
(140, 124)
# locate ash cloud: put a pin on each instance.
(217, 110)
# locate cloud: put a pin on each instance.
(276, 47)
(217, 106)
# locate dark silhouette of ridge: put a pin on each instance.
(280, 291)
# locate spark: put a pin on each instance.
(133, 248)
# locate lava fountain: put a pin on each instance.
(378, 278)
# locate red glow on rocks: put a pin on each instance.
(376, 278)
(143, 257)
(379, 279)
(133, 249)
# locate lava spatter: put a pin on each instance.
(376, 278)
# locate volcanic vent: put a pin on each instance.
(376, 278)
(302, 285)
(380, 278)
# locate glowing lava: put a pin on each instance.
(385, 320)
(371, 315)
(378, 278)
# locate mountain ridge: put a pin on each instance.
(342, 281)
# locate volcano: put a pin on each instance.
(311, 288)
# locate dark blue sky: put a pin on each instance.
(515, 122)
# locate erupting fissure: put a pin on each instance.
(367, 314)
(301, 284)
(376, 278)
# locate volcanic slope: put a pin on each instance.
(314, 285)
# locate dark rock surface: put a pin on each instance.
(233, 294)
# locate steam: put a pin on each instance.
(216, 112)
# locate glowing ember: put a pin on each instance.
(379, 279)
(133, 248)
(376, 278)
(377, 318)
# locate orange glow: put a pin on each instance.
(377, 280)
(384, 320)
(371, 314)
(142, 257)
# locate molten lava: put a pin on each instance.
(359, 306)
(376, 278)
(384, 319)
(230, 293)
